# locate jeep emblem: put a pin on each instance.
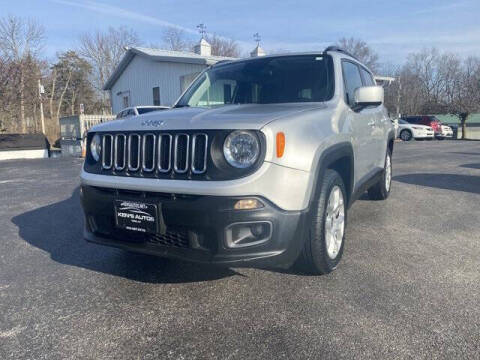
(155, 123)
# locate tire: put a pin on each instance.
(406, 135)
(381, 190)
(324, 242)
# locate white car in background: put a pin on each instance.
(407, 131)
(139, 110)
(445, 132)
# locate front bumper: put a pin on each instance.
(196, 228)
(422, 134)
(448, 134)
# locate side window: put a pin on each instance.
(131, 112)
(352, 80)
(367, 77)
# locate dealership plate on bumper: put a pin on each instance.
(136, 216)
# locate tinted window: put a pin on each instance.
(284, 79)
(146, 110)
(401, 121)
(367, 77)
(352, 80)
(413, 120)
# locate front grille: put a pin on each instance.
(152, 154)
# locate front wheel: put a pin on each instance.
(381, 190)
(323, 247)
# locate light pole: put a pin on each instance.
(41, 90)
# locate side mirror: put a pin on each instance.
(368, 96)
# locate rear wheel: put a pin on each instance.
(381, 190)
(324, 243)
(406, 135)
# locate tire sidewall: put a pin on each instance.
(385, 190)
(317, 232)
(406, 132)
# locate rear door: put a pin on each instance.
(362, 126)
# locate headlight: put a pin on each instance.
(241, 149)
(96, 147)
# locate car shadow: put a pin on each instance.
(58, 230)
(457, 182)
(470, 166)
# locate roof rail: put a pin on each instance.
(339, 49)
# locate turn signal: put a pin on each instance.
(247, 204)
(280, 144)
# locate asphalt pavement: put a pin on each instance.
(408, 285)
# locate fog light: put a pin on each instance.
(247, 204)
(240, 235)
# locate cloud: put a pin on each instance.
(123, 13)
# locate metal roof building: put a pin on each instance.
(147, 76)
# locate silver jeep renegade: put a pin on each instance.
(257, 164)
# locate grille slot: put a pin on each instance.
(134, 152)
(175, 238)
(181, 153)
(107, 151)
(199, 153)
(148, 152)
(120, 152)
(155, 154)
(164, 153)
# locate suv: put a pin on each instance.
(257, 164)
(441, 131)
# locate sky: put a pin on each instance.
(392, 28)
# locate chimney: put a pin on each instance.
(258, 51)
(203, 48)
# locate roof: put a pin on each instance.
(160, 55)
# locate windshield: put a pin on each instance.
(285, 79)
(401, 121)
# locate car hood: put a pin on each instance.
(248, 116)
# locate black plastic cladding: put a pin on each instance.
(217, 167)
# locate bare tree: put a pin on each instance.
(175, 39)
(222, 46)
(104, 50)
(466, 99)
(20, 41)
(361, 50)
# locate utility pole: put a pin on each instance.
(399, 95)
(41, 90)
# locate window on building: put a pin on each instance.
(156, 96)
(125, 101)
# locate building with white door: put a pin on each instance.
(147, 76)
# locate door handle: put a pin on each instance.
(371, 123)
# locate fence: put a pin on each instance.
(73, 130)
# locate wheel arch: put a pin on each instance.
(338, 157)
